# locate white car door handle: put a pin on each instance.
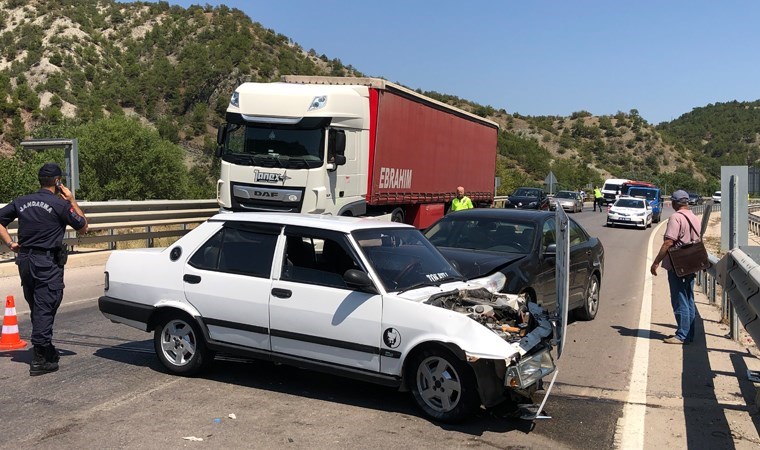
(282, 293)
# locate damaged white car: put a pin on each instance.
(356, 297)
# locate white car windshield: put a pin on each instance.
(404, 259)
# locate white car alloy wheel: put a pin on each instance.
(178, 342)
(439, 384)
(180, 346)
(443, 386)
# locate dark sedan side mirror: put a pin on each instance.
(551, 250)
(359, 280)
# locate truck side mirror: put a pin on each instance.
(221, 134)
(336, 148)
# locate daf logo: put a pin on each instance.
(266, 194)
(270, 177)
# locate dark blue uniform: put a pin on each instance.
(42, 219)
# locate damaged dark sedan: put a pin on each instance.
(521, 245)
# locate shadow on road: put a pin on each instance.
(264, 375)
(635, 332)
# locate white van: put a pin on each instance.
(611, 189)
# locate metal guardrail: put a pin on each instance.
(115, 221)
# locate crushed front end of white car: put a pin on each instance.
(528, 332)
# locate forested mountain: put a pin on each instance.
(144, 85)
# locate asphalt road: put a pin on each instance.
(111, 390)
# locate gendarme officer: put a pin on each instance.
(42, 219)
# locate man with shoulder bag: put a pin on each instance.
(682, 230)
(41, 254)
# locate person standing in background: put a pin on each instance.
(682, 229)
(598, 198)
(461, 201)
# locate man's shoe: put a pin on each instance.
(40, 365)
(672, 340)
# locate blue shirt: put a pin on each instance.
(42, 219)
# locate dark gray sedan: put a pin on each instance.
(521, 245)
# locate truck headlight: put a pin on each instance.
(235, 99)
(529, 370)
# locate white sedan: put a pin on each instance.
(354, 297)
(630, 211)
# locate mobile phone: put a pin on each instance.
(57, 183)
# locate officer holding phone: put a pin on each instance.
(42, 220)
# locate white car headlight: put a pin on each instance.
(494, 282)
(530, 370)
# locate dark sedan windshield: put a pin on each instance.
(492, 234)
(404, 259)
(526, 193)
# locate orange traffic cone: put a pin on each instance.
(10, 339)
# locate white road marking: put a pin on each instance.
(629, 433)
(63, 304)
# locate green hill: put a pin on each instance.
(75, 66)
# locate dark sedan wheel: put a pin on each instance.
(590, 300)
(180, 346)
(443, 386)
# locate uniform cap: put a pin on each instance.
(50, 170)
(679, 196)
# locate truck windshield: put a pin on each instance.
(273, 146)
(611, 187)
(650, 194)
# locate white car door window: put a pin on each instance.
(314, 314)
(228, 281)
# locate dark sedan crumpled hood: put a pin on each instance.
(475, 263)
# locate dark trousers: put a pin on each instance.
(598, 202)
(42, 280)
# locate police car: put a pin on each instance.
(355, 297)
(630, 211)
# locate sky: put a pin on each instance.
(538, 57)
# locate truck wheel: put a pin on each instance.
(397, 215)
(443, 386)
(180, 346)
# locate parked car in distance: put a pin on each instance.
(568, 200)
(716, 197)
(528, 198)
(630, 211)
(695, 199)
(361, 298)
(522, 246)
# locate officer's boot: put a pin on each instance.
(40, 364)
(51, 354)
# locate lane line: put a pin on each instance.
(629, 433)
(75, 302)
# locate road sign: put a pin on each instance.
(550, 181)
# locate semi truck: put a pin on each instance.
(351, 146)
